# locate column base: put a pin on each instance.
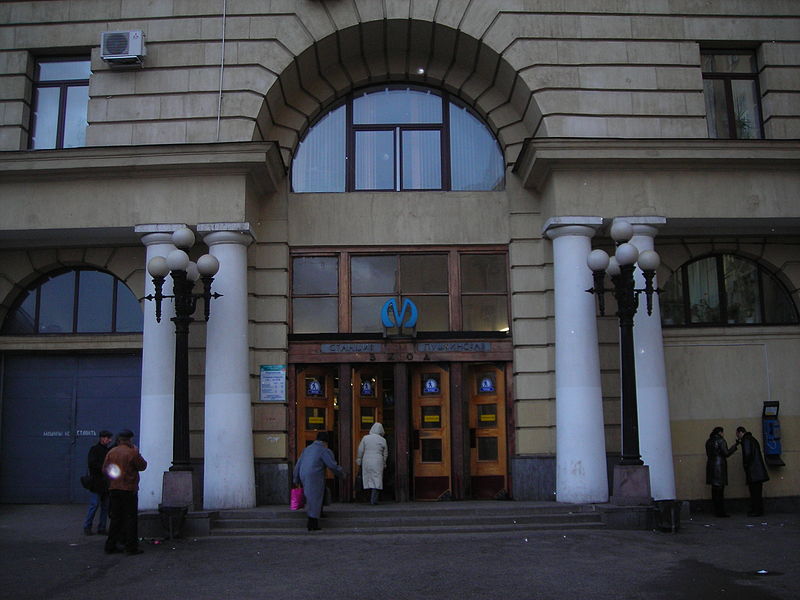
(177, 489)
(631, 486)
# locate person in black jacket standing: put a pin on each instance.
(755, 470)
(98, 484)
(717, 453)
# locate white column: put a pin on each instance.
(581, 474)
(229, 476)
(655, 438)
(158, 374)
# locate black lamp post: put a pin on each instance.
(184, 275)
(621, 267)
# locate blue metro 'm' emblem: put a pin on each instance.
(391, 317)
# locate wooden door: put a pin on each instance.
(430, 417)
(367, 405)
(315, 406)
(488, 463)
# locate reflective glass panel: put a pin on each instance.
(373, 274)
(741, 290)
(434, 313)
(95, 301)
(129, 311)
(22, 320)
(485, 313)
(57, 303)
(716, 108)
(315, 315)
(729, 63)
(745, 109)
(315, 419)
(315, 275)
(671, 301)
(65, 70)
(397, 107)
(367, 387)
(423, 273)
(375, 162)
(367, 417)
(315, 386)
(487, 416)
(487, 448)
(475, 159)
(703, 291)
(367, 314)
(45, 122)
(422, 160)
(75, 123)
(319, 165)
(430, 386)
(431, 417)
(778, 305)
(483, 273)
(430, 450)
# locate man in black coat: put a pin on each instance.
(717, 453)
(98, 484)
(755, 470)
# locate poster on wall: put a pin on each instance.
(273, 383)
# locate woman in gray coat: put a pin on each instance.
(372, 455)
(310, 472)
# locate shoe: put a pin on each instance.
(134, 551)
(88, 531)
(313, 524)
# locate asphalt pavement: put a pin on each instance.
(44, 555)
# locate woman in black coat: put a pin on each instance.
(755, 471)
(717, 453)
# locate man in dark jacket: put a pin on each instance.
(122, 466)
(717, 454)
(755, 470)
(98, 485)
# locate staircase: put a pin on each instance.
(410, 518)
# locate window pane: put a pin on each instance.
(778, 305)
(729, 63)
(431, 450)
(487, 448)
(485, 313)
(397, 107)
(64, 69)
(422, 160)
(431, 417)
(741, 290)
(434, 313)
(366, 315)
(487, 416)
(22, 320)
(75, 116)
(315, 315)
(319, 165)
(426, 273)
(745, 108)
(476, 162)
(45, 121)
(373, 274)
(129, 311)
(703, 291)
(671, 301)
(95, 301)
(367, 417)
(315, 275)
(716, 108)
(483, 273)
(57, 302)
(375, 160)
(315, 419)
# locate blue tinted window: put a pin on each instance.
(60, 103)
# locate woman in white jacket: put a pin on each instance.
(372, 455)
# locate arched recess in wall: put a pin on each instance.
(399, 50)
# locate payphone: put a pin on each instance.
(771, 430)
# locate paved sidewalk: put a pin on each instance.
(44, 555)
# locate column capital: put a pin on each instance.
(644, 225)
(556, 227)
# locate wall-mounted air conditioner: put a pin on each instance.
(122, 47)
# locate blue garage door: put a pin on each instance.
(53, 408)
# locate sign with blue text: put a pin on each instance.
(273, 383)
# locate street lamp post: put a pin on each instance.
(184, 275)
(621, 268)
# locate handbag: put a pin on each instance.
(297, 500)
(86, 481)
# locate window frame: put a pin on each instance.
(63, 85)
(726, 79)
(722, 321)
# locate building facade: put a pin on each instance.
(402, 197)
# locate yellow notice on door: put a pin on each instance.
(431, 418)
(367, 419)
(488, 417)
(316, 420)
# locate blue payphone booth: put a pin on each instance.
(771, 430)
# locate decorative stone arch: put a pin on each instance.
(394, 50)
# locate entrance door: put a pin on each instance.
(430, 415)
(315, 406)
(487, 428)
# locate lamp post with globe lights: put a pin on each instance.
(621, 267)
(184, 274)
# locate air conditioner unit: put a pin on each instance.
(122, 47)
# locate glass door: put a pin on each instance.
(430, 409)
(487, 431)
(316, 399)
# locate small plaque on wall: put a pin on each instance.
(273, 383)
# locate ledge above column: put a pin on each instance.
(578, 225)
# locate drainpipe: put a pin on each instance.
(221, 65)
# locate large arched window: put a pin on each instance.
(399, 138)
(724, 289)
(75, 301)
